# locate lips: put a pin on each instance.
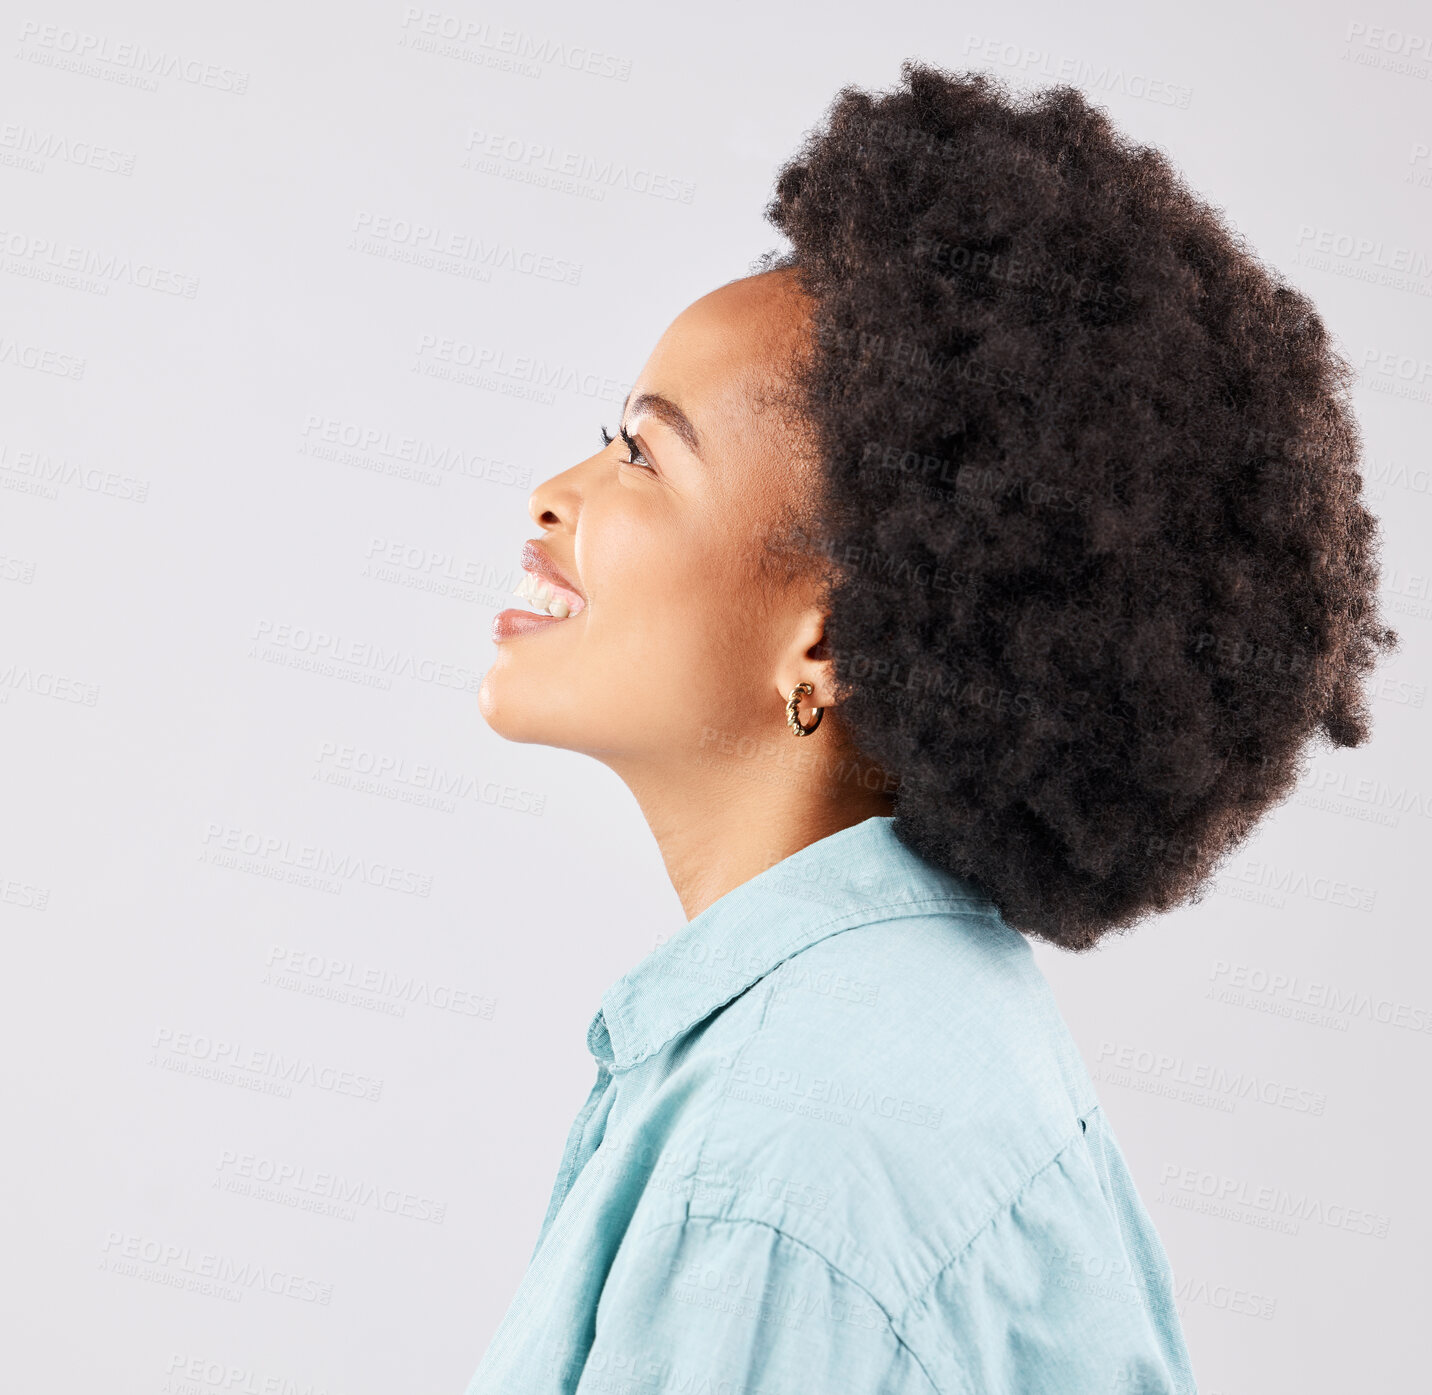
(536, 562)
(507, 623)
(543, 584)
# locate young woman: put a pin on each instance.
(976, 570)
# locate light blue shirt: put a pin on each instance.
(841, 1143)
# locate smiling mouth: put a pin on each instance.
(546, 598)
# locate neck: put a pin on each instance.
(719, 820)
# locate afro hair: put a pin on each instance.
(1099, 568)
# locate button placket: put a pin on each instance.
(579, 1148)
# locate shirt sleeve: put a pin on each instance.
(738, 1306)
(1066, 1291)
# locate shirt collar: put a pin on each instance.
(859, 874)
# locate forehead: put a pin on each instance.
(725, 346)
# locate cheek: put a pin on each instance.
(682, 607)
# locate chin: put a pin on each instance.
(500, 707)
(516, 711)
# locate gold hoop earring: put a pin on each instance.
(793, 706)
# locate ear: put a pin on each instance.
(807, 659)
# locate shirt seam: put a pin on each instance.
(900, 1341)
(723, 1097)
(1000, 1210)
(868, 915)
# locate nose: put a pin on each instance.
(556, 502)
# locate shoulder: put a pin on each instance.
(1064, 1287)
(718, 1297)
(896, 1119)
(884, 1092)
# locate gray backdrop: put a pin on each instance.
(297, 304)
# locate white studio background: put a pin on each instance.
(336, 301)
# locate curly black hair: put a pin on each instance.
(1098, 564)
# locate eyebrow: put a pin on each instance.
(667, 411)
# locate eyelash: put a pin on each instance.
(638, 461)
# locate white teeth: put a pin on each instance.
(541, 596)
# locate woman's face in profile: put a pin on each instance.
(679, 638)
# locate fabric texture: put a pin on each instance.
(841, 1143)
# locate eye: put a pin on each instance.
(636, 459)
